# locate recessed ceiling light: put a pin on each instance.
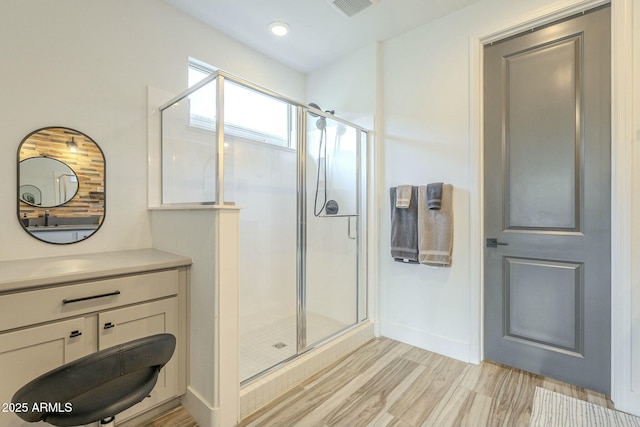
(279, 28)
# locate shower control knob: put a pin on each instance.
(331, 207)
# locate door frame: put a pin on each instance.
(622, 129)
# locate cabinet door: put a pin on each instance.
(29, 353)
(126, 324)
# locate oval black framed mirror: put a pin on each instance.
(46, 182)
(61, 185)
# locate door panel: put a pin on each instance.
(332, 230)
(543, 155)
(543, 302)
(547, 193)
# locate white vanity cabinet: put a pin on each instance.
(27, 353)
(55, 310)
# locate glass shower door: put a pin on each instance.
(330, 295)
(260, 175)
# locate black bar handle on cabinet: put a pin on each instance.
(110, 294)
(109, 325)
(75, 333)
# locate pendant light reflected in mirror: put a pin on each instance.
(73, 147)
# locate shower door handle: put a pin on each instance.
(349, 227)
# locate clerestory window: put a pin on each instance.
(247, 114)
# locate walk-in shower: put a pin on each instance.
(299, 175)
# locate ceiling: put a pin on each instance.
(320, 32)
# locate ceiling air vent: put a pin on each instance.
(353, 7)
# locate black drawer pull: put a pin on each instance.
(75, 334)
(109, 325)
(110, 294)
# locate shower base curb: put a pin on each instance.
(259, 393)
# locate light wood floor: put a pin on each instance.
(178, 417)
(387, 383)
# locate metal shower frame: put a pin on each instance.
(363, 138)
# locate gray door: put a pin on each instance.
(547, 201)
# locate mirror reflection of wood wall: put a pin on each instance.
(86, 160)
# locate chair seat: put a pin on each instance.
(99, 385)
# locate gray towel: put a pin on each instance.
(435, 228)
(403, 196)
(404, 229)
(434, 196)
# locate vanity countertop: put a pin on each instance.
(38, 272)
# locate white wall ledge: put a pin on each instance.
(194, 207)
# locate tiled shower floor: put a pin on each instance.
(267, 345)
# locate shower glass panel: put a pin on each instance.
(189, 148)
(260, 170)
(332, 228)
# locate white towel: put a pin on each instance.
(435, 228)
(403, 196)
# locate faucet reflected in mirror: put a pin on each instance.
(61, 185)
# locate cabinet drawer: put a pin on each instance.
(45, 305)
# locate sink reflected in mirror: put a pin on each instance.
(61, 185)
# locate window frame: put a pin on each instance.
(208, 124)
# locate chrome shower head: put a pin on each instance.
(321, 123)
(317, 107)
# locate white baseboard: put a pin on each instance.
(200, 409)
(447, 347)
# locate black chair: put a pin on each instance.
(96, 387)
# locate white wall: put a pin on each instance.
(347, 86)
(626, 360)
(210, 237)
(87, 65)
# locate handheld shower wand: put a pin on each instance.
(322, 165)
(329, 206)
(321, 124)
